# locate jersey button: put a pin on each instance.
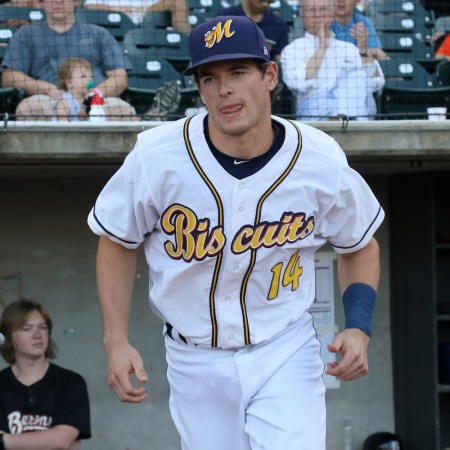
(241, 208)
(227, 298)
(236, 269)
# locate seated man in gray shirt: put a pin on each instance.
(35, 51)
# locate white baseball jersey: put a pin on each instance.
(232, 261)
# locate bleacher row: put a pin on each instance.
(415, 79)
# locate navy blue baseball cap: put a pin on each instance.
(224, 38)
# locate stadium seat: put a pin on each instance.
(8, 100)
(406, 73)
(116, 22)
(164, 43)
(148, 74)
(411, 8)
(19, 15)
(443, 73)
(197, 17)
(158, 19)
(285, 10)
(407, 45)
(284, 102)
(382, 440)
(6, 33)
(163, 19)
(409, 90)
(208, 7)
(402, 23)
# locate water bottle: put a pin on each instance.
(94, 103)
(97, 111)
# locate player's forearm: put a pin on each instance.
(116, 271)
(61, 437)
(362, 266)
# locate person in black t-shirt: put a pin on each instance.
(42, 405)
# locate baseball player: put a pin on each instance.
(230, 206)
(42, 405)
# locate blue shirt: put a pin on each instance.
(343, 32)
(37, 50)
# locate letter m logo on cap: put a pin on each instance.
(216, 34)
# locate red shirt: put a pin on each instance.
(444, 48)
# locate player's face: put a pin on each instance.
(31, 340)
(236, 95)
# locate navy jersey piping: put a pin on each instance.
(107, 231)
(365, 234)
(212, 304)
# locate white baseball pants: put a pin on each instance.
(269, 396)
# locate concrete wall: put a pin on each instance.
(48, 252)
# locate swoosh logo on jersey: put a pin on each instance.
(236, 162)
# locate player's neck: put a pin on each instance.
(29, 371)
(247, 145)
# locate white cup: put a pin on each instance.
(437, 113)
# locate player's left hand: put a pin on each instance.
(352, 344)
(123, 362)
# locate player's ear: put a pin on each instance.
(272, 75)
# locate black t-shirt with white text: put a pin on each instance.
(59, 398)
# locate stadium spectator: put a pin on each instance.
(273, 26)
(136, 9)
(42, 405)
(352, 26)
(74, 74)
(31, 60)
(327, 75)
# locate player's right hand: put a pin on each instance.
(124, 361)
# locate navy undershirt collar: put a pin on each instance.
(240, 168)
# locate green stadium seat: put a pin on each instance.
(409, 90)
(163, 43)
(116, 22)
(6, 33)
(157, 19)
(18, 15)
(8, 101)
(443, 73)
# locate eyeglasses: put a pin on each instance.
(320, 11)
